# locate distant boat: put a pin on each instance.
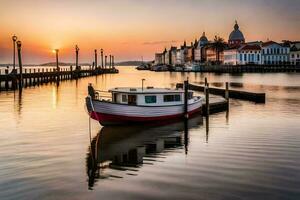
(143, 66)
(139, 105)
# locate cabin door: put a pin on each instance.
(131, 99)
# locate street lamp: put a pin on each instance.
(56, 52)
(77, 50)
(14, 39)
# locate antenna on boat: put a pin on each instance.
(143, 84)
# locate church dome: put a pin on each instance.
(203, 40)
(236, 35)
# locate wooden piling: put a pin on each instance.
(6, 80)
(186, 92)
(207, 98)
(227, 91)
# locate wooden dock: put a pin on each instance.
(235, 94)
(216, 105)
(249, 68)
(39, 76)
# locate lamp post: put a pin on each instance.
(96, 65)
(19, 44)
(77, 50)
(102, 58)
(56, 53)
(14, 39)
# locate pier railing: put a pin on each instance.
(32, 76)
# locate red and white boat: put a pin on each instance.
(140, 105)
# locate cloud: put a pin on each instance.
(160, 42)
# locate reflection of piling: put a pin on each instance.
(20, 65)
(186, 88)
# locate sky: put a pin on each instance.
(132, 29)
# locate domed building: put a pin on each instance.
(236, 37)
(202, 41)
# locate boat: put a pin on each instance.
(125, 105)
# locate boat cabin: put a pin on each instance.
(148, 96)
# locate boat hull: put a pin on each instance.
(109, 114)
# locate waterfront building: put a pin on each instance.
(210, 52)
(199, 55)
(158, 59)
(274, 53)
(243, 55)
(295, 54)
(236, 37)
(173, 52)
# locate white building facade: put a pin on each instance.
(245, 54)
(295, 54)
(275, 54)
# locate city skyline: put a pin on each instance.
(134, 29)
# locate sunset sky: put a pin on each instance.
(130, 29)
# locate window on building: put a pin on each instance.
(150, 99)
(293, 55)
(124, 98)
(258, 57)
(298, 55)
(241, 57)
(171, 98)
(268, 51)
(263, 51)
(245, 57)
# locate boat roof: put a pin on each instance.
(147, 90)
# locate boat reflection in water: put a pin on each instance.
(127, 148)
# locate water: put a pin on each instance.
(252, 152)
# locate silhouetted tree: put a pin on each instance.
(219, 45)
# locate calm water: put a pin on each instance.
(252, 152)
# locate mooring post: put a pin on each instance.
(105, 63)
(227, 92)
(30, 77)
(102, 58)
(6, 78)
(19, 44)
(71, 69)
(205, 81)
(207, 98)
(113, 61)
(186, 92)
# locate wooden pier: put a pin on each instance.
(235, 94)
(39, 76)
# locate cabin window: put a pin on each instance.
(171, 98)
(124, 98)
(150, 99)
(190, 95)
